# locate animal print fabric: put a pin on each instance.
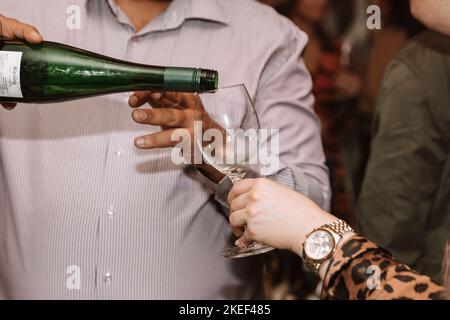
(361, 270)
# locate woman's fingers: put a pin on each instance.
(245, 240)
(240, 202)
(238, 220)
(241, 187)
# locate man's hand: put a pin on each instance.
(13, 29)
(171, 111)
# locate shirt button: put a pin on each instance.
(111, 213)
(108, 277)
(119, 152)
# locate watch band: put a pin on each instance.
(338, 228)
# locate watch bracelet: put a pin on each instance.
(340, 227)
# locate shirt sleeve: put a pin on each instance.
(405, 167)
(360, 270)
(284, 102)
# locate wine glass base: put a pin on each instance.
(252, 250)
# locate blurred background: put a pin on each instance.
(347, 62)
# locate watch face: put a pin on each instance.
(319, 245)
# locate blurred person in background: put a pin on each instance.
(404, 204)
(336, 88)
(398, 26)
(369, 52)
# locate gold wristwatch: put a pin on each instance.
(321, 243)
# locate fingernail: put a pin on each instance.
(140, 142)
(36, 36)
(133, 101)
(140, 115)
(9, 106)
(156, 95)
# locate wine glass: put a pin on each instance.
(232, 147)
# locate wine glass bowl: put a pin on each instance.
(232, 146)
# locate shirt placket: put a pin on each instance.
(113, 213)
(112, 216)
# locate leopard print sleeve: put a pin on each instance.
(352, 275)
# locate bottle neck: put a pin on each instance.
(173, 79)
(190, 79)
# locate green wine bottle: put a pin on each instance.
(52, 72)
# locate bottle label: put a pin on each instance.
(10, 74)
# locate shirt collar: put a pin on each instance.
(181, 10)
(207, 10)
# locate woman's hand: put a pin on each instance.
(273, 214)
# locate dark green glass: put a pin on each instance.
(53, 72)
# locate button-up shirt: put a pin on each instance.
(85, 215)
